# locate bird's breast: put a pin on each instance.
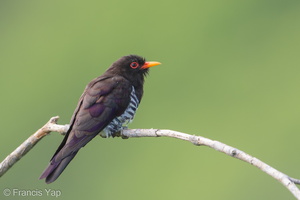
(120, 122)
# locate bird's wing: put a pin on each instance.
(103, 99)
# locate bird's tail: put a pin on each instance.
(54, 169)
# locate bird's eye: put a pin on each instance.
(134, 65)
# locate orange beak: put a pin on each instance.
(150, 64)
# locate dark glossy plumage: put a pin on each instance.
(104, 99)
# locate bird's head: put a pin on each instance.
(132, 67)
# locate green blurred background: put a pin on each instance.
(230, 72)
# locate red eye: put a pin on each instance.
(134, 65)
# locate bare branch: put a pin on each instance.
(51, 125)
(28, 144)
(287, 181)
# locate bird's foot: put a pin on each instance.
(116, 134)
(121, 133)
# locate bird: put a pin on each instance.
(107, 105)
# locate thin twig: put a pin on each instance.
(51, 126)
(28, 144)
(287, 181)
